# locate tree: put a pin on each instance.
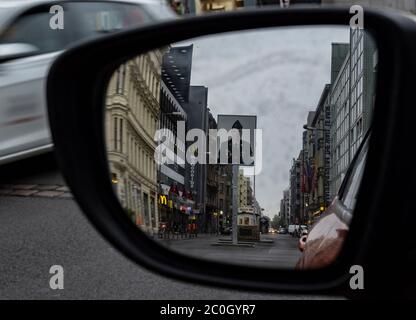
(278, 222)
(275, 222)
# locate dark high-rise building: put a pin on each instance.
(197, 111)
(176, 71)
(175, 201)
(285, 208)
(212, 214)
(295, 190)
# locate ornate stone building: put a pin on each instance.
(132, 115)
(217, 5)
(243, 183)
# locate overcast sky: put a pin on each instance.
(277, 75)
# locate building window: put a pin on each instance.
(118, 82)
(136, 156)
(142, 162)
(121, 73)
(115, 133)
(152, 212)
(121, 136)
(149, 167)
(146, 208)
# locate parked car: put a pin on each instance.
(272, 230)
(28, 46)
(292, 229)
(282, 231)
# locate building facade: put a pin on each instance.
(224, 195)
(295, 190)
(212, 211)
(317, 149)
(196, 175)
(203, 6)
(132, 117)
(243, 187)
(406, 5)
(351, 99)
(175, 201)
(285, 208)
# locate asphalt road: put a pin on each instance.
(274, 251)
(38, 232)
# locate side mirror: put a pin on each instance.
(10, 51)
(105, 111)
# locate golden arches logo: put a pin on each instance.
(163, 200)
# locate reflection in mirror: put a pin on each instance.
(244, 147)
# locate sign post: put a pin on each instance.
(240, 123)
(235, 204)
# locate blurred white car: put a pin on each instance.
(28, 46)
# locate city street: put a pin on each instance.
(282, 252)
(38, 232)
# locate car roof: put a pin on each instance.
(16, 7)
(30, 3)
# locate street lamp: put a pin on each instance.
(306, 127)
(176, 113)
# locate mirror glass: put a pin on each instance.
(244, 147)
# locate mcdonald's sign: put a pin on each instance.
(163, 200)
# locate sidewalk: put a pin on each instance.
(201, 237)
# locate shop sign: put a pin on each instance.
(163, 200)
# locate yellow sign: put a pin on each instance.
(163, 200)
